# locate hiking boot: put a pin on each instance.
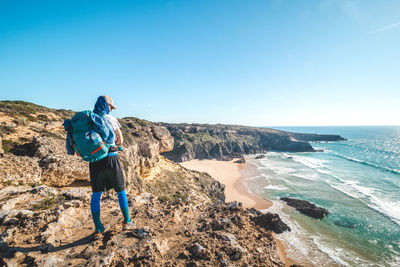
(128, 226)
(99, 235)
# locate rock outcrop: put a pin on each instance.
(260, 156)
(306, 207)
(269, 221)
(44, 226)
(203, 141)
(181, 215)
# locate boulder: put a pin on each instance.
(234, 205)
(241, 160)
(197, 251)
(306, 207)
(260, 156)
(166, 141)
(220, 224)
(160, 132)
(271, 222)
(149, 148)
(233, 249)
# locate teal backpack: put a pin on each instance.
(87, 143)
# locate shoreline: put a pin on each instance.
(233, 176)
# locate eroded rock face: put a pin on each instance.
(204, 141)
(306, 207)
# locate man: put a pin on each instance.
(107, 172)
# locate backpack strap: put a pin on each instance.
(97, 149)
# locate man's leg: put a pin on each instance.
(95, 209)
(123, 204)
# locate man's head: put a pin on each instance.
(110, 102)
(103, 105)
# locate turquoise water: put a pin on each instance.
(357, 180)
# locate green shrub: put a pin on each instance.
(8, 145)
(49, 202)
(163, 199)
(178, 194)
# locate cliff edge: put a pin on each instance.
(205, 141)
(181, 215)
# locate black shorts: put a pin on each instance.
(106, 174)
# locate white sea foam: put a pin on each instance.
(301, 242)
(396, 261)
(255, 177)
(275, 187)
(369, 196)
(275, 167)
(395, 171)
(334, 253)
(274, 154)
(366, 191)
(324, 171)
(312, 163)
(281, 170)
(310, 177)
(388, 208)
(346, 190)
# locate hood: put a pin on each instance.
(101, 106)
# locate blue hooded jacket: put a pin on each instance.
(99, 124)
(101, 106)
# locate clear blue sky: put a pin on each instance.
(248, 62)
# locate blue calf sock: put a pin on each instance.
(95, 209)
(123, 204)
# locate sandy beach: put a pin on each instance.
(229, 174)
(233, 176)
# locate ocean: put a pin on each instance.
(357, 181)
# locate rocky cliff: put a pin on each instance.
(181, 216)
(204, 141)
